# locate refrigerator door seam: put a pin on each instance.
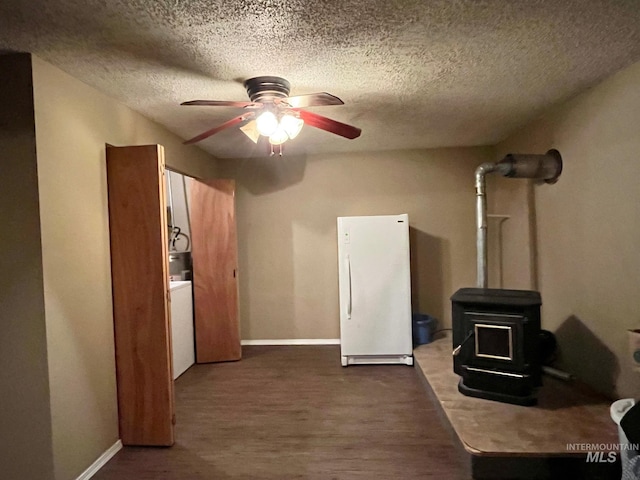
(349, 303)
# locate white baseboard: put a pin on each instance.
(293, 341)
(101, 461)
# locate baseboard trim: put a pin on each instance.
(101, 461)
(293, 341)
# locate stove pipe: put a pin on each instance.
(547, 167)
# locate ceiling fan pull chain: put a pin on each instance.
(274, 148)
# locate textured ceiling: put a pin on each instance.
(412, 74)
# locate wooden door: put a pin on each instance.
(139, 264)
(215, 270)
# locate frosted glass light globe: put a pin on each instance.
(279, 136)
(292, 125)
(267, 123)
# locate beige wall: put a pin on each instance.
(25, 415)
(588, 229)
(287, 209)
(73, 123)
(511, 249)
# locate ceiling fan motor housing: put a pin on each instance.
(267, 89)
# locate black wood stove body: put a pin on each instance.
(496, 338)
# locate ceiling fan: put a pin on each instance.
(274, 114)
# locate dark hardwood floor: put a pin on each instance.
(292, 413)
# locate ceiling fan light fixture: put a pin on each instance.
(267, 123)
(292, 125)
(279, 136)
(281, 117)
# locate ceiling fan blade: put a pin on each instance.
(333, 126)
(221, 103)
(311, 100)
(230, 123)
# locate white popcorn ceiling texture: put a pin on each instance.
(412, 74)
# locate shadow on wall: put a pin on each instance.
(582, 353)
(265, 175)
(427, 274)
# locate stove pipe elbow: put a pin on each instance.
(547, 168)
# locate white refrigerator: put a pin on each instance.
(375, 290)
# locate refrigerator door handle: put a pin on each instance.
(349, 301)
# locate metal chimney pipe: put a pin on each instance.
(547, 167)
(481, 218)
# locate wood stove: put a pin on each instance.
(497, 334)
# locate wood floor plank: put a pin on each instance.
(295, 413)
